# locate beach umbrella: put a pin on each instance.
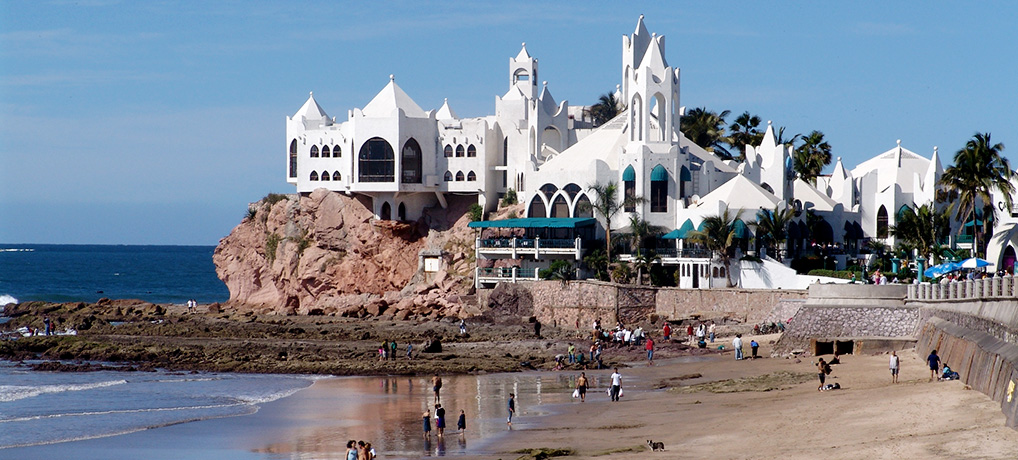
(974, 262)
(942, 269)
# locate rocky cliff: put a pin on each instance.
(326, 254)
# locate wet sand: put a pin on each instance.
(868, 418)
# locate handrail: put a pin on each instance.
(998, 287)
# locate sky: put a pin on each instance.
(157, 122)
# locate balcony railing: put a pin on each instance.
(504, 274)
(998, 287)
(530, 246)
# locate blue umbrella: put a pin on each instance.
(974, 262)
(942, 269)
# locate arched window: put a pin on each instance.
(325, 175)
(386, 211)
(714, 272)
(559, 207)
(376, 162)
(314, 175)
(293, 158)
(505, 161)
(337, 151)
(552, 137)
(459, 150)
(882, 222)
(658, 189)
(401, 212)
(572, 190)
(325, 151)
(629, 188)
(314, 151)
(410, 162)
(536, 208)
(459, 176)
(471, 176)
(583, 207)
(471, 151)
(548, 190)
(336, 175)
(448, 176)
(448, 151)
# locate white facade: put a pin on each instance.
(406, 159)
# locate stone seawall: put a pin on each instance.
(579, 303)
(984, 362)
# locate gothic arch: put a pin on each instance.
(583, 207)
(636, 118)
(401, 211)
(537, 207)
(293, 158)
(659, 110)
(559, 206)
(326, 176)
(386, 213)
(376, 161)
(882, 222)
(410, 162)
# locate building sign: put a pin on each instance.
(432, 264)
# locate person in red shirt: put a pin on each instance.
(650, 351)
(667, 331)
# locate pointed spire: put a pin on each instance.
(654, 56)
(547, 101)
(640, 41)
(523, 52)
(311, 110)
(446, 112)
(769, 139)
(389, 99)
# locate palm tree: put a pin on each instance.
(639, 230)
(812, 156)
(718, 236)
(607, 205)
(978, 169)
(606, 108)
(643, 263)
(921, 229)
(745, 130)
(772, 226)
(707, 129)
(781, 137)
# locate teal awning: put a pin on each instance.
(680, 233)
(741, 231)
(658, 173)
(703, 224)
(629, 174)
(684, 174)
(536, 222)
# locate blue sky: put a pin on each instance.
(157, 122)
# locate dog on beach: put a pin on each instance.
(656, 446)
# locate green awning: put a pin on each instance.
(684, 174)
(658, 173)
(536, 222)
(629, 174)
(681, 233)
(741, 231)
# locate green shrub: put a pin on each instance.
(475, 212)
(251, 213)
(559, 269)
(509, 198)
(271, 243)
(622, 273)
(274, 198)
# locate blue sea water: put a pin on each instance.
(86, 273)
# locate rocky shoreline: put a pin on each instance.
(133, 335)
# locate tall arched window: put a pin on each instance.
(658, 189)
(386, 211)
(314, 175)
(325, 151)
(448, 151)
(376, 162)
(471, 151)
(401, 212)
(882, 222)
(337, 151)
(629, 188)
(559, 207)
(336, 175)
(314, 151)
(459, 176)
(293, 158)
(448, 176)
(325, 175)
(410, 162)
(459, 150)
(471, 176)
(536, 208)
(583, 207)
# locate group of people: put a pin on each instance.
(192, 306)
(754, 347)
(583, 384)
(389, 349)
(701, 333)
(359, 450)
(461, 422)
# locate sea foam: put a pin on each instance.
(15, 392)
(6, 299)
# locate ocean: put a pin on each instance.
(87, 273)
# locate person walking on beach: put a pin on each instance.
(463, 326)
(581, 386)
(511, 406)
(392, 350)
(737, 345)
(821, 373)
(934, 361)
(894, 364)
(436, 385)
(650, 350)
(689, 333)
(427, 423)
(711, 331)
(440, 419)
(461, 423)
(48, 324)
(409, 351)
(667, 332)
(754, 346)
(616, 388)
(383, 352)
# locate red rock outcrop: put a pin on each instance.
(326, 254)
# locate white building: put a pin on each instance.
(406, 159)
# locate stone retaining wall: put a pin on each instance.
(847, 322)
(984, 362)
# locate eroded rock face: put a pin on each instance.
(325, 254)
